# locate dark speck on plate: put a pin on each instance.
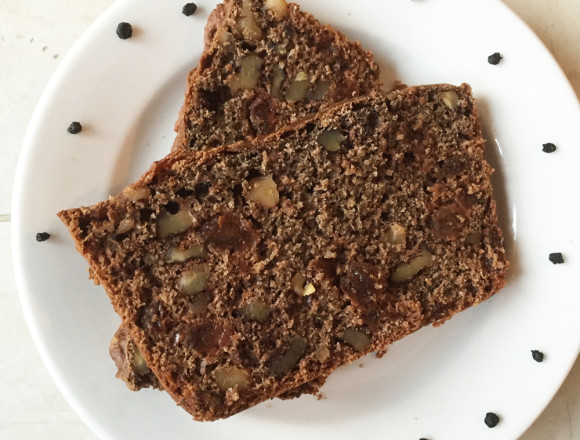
(494, 58)
(124, 31)
(189, 9)
(75, 127)
(491, 420)
(42, 236)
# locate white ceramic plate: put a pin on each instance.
(437, 383)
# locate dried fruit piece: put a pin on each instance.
(231, 377)
(296, 349)
(249, 74)
(209, 337)
(263, 191)
(229, 231)
(257, 310)
(300, 286)
(247, 24)
(331, 140)
(194, 280)
(278, 7)
(278, 76)
(556, 258)
(298, 89)
(171, 224)
(396, 234)
(450, 98)
(404, 272)
(362, 283)
(356, 339)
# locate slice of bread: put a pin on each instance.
(251, 269)
(269, 64)
(285, 41)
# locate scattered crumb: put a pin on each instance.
(44, 48)
(380, 353)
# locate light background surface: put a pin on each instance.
(34, 37)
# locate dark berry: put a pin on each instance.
(556, 258)
(548, 148)
(75, 127)
(42, 236)
(537, 355)
(189, 9)
(494, 58)
(124, 31)
(491, 420)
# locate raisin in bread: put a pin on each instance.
(269, 64)
(248, 270)
(292, 42)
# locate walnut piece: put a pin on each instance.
(450, 98)
(356, 339)
(137, 193)
(300, 286)
(320, 89)
(278, 7)
(257, 310)
(396, 234)
(404, 272)
(282, 363)
(321, 353)
(175, 255)
(138, 361)
(331, 140)
(278, 76)
(263, 191)
(298, 89)
(249, 75)
(231, 377)
(125, 225)
(171, 224)
(194, 280)
(247, 25)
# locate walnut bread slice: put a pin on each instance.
(268, 64)
(245, 271)
(291, 42)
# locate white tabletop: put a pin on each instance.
(34, 36)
